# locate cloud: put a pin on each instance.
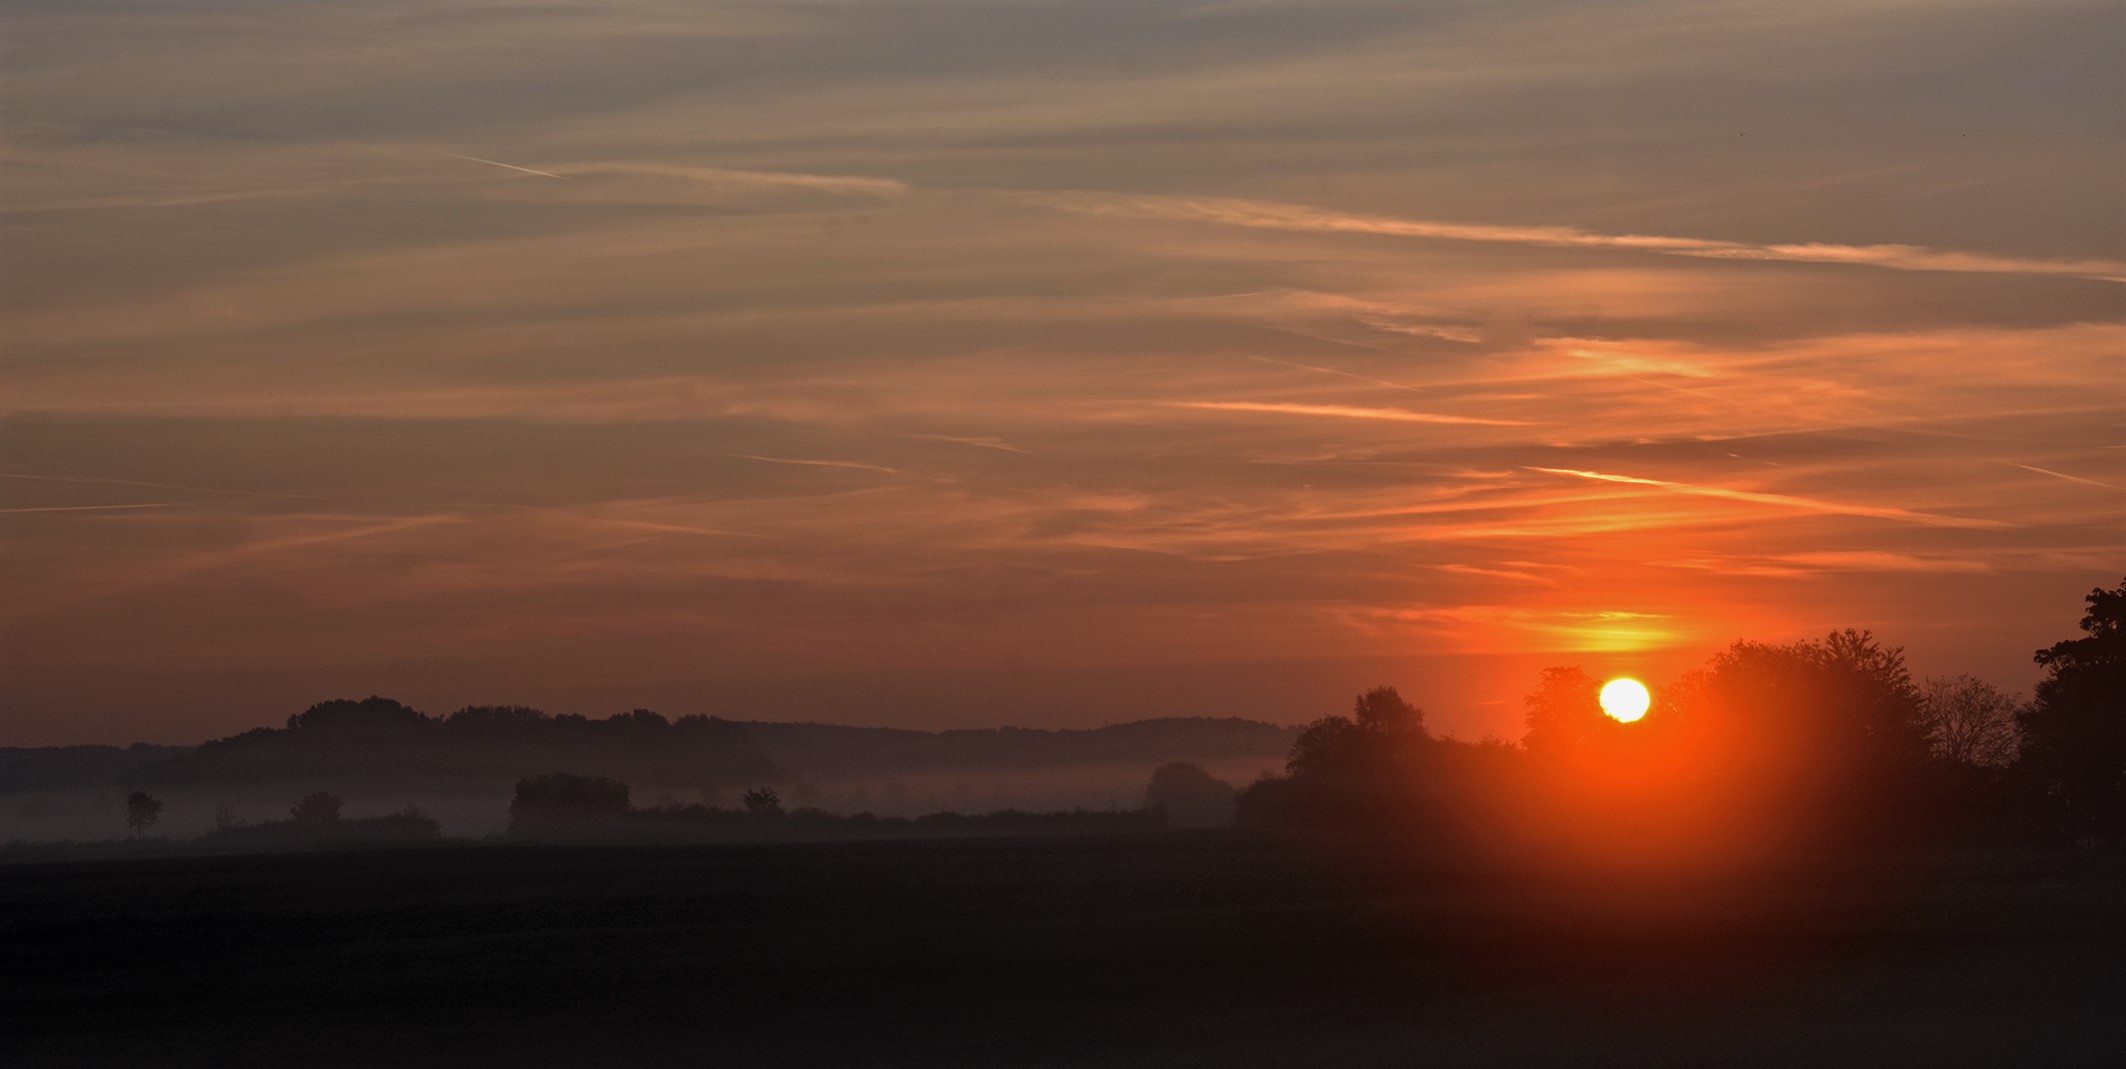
(1881, 561)
(1272, 215)
(1498, 573)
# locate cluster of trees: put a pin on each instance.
(382, 744)
(314, 819)
(567, 806)
(1766, 743)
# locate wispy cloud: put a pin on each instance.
(979, 442)
(1497, 573)
(1805, 504)
(1393, 415)
(1881, 561)
(1272, 215)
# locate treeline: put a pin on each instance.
(380, 744)
(564, 807)
(1767, 748)
(315, 822)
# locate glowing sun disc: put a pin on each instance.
(1625, 700)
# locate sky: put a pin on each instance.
(974, 362)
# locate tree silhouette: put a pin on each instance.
(1969, 721)
(1564, 712)
(763, 802)
(1347, 771)
(142, 810)
(1383, 712)
(321, 809)
(2075, 733)
(1367, 743)
(1844, 702)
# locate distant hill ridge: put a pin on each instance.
(24, 769)
(836, 750)
(381, 742)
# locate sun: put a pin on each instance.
(1625, 700)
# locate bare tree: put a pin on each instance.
(142, 810)
(763, 802)
(1969, 721)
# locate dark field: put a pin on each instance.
(1148, 950)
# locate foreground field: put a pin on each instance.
(1140, 950)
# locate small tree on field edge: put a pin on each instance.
(142, 810)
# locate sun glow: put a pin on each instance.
(1625, 700)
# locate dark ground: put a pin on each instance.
(1215, 950)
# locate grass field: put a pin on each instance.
(1210, 949)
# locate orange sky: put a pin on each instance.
(1048, 363)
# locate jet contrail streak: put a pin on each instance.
(94, 508)
(499, 163)
(1804, 503)
(157, 486)
(2064, 475)
(1396, 415)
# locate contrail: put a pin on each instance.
(499, 163)
(1334, 371)
(984, 442)
(1302, 218)
(1809, 504)
(2062, 475)
(1396, 415)
(157, 486)
(852, 464)
(95, 508)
